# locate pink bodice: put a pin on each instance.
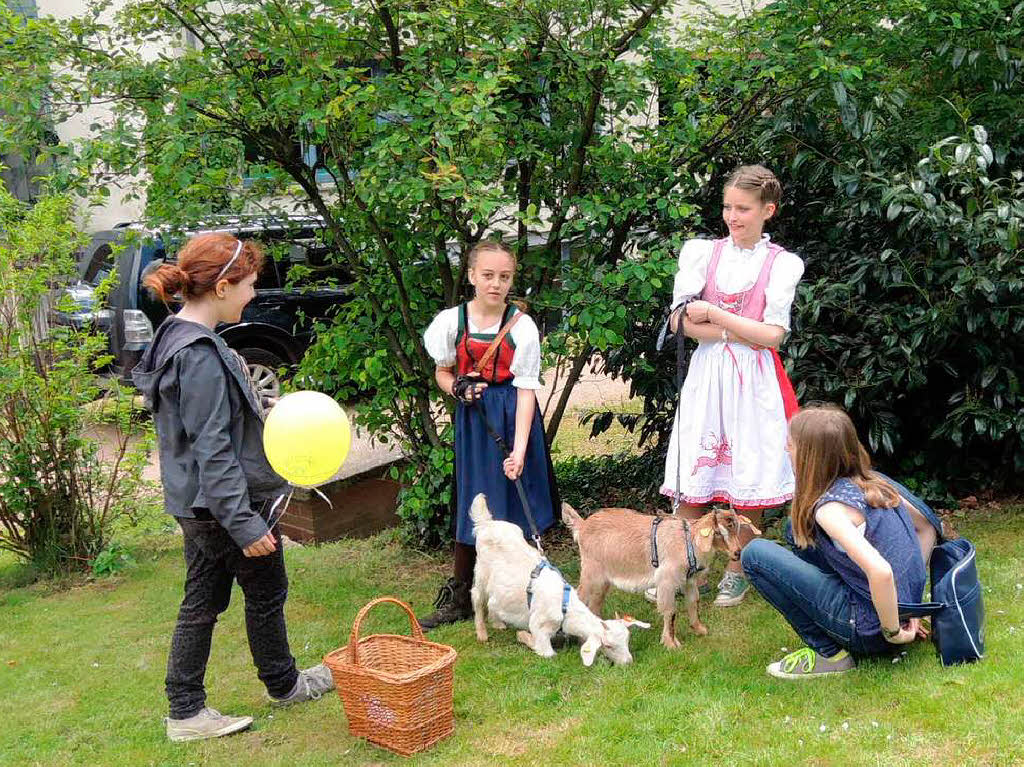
(749, 303)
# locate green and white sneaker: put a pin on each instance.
(731, 589)
(805, 662)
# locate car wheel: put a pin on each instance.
(263, 367)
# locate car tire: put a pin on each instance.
(264, 368)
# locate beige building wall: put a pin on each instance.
(116, 208)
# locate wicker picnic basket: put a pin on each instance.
(396, 690)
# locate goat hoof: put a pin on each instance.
(670, 643)
(700, 630)
(482, 636)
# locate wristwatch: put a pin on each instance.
(891, 633)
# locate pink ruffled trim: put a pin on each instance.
(723, 496)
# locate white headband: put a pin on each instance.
(238, 249)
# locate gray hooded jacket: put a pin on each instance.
(209, 428)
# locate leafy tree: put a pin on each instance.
(413, 132)
(593, 139)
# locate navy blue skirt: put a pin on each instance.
(478, 465)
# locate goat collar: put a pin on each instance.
(692, 566)
(566, 588)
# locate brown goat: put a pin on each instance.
(615, 550)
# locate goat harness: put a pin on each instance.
(692, 567)
(566, 588)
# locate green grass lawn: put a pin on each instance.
(81, 677)
(574, 439)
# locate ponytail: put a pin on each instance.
(167, 281)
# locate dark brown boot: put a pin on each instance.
(453, 604)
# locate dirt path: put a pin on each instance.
(592, 389)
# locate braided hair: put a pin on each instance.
(757, 179)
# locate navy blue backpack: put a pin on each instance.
(956, 610)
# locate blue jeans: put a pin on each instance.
(811, 597)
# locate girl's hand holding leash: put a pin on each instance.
(698, 311)
(513, 465)
(466, 390)
(909, 632)
(261, 547)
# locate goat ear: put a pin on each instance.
(703, 532)
(746, 521)
(589, 650)
(633, 623)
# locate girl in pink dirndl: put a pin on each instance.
(728, 441)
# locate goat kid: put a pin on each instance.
(504, 564)
(615, 550)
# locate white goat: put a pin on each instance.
(505, 564)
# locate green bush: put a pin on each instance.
(112, 560)
(909, 313)
(912, 316)
(58, 498)
(627, 481)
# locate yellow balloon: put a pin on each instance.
(306, 438)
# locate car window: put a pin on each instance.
(310, 265)
(99, 266)
(268, 278)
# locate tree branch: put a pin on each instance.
(302, 176)
(397, 62)
(574, 375)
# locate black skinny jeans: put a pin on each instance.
(212, 563)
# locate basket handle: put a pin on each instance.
(353, 638)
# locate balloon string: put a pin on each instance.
(270, 516)
(326, 499)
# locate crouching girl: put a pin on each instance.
(857, 553)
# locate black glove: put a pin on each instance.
(463, 388)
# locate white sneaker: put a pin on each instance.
(208, 723)
(651, 594)
(311, 685)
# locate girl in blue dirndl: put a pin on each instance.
(502, 399)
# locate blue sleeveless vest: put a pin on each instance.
(891, 532)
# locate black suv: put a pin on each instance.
(275, 328)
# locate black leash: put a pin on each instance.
(682, 363)
(503, 446)
(682, 353)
